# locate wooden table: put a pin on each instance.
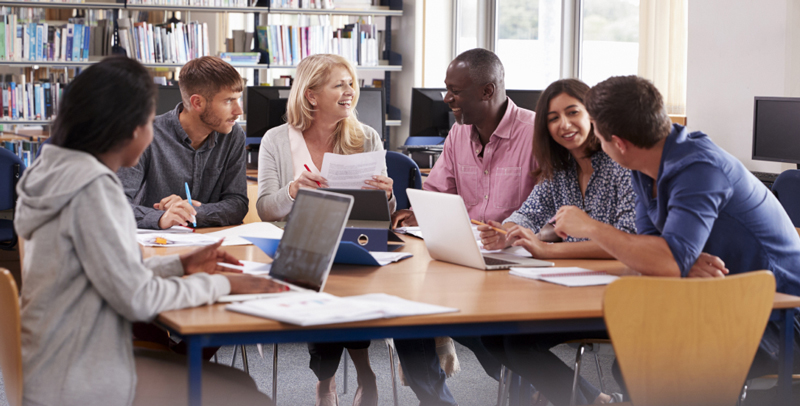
(490, 302)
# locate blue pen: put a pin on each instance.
(189, 199)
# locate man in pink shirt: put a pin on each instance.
(488, 161)
(487, 157)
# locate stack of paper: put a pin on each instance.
(233, 236)
(312, 309)
(571, 276)
(350, 171)
(174, 239)
(171, 230)
(386, 258)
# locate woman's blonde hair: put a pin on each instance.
(312, 73)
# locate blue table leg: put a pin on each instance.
(787, 358)
(195, 363)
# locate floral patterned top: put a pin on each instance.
(609, 197)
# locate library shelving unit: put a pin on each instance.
(394, 59)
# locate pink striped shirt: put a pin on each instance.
(495, 185)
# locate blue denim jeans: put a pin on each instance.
(424, 374)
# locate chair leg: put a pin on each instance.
(244, 360)
(742, 396)
(578, 357)
(506, 386)
(275, 373)
(233, 359)
(390, 347)
(344, 363)
(501, 385)
(216, 361)
(599, 371)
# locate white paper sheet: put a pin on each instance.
(415, 231)
(251, 267)
(233, 236)
(569, 276)
(175, 240)
(311, 309)
(171, 230)
(386, 258)
(350, 171)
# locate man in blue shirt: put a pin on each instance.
(698, 209)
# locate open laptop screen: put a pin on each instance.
(311, 237)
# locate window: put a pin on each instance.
(529, 42)
(610, 39)
(467, 25)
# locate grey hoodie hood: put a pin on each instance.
(50, 184)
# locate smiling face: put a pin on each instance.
(568, 123)
(463, 95)
(221, 113)
(335, 99)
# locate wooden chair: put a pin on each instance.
(687, 341)
(10, 339)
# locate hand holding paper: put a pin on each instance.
(352, 171)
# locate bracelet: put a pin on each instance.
(289, 186)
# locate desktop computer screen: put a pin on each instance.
(431, 116)
(776, 129)
(168, 98)
(266, 108)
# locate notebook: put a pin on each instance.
(570, 276)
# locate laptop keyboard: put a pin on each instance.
(495, 261)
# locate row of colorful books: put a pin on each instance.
(318, 4)
(32, 41)
(26, 150)
(288, 45)
(164, 43)
(30, 101)
(194, 3)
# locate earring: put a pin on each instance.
(313, 104)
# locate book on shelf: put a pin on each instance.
(314, 4)
(42, 42)
(26, 150)
(191, 3)
(240, 58)
(32, 101)
(288, 44)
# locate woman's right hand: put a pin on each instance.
(245, 283)
(307, 180)
(490, 238)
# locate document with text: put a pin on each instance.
(350, 171)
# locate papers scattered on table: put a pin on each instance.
(175, 239)
(566, 276)
(386, 258)
(312, 309)
(350, 171)
(233, 236)
(415, 231)
(171, 230)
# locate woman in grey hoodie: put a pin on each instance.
(84, 278)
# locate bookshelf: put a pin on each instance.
(394, 60)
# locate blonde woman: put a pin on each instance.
(320, 118)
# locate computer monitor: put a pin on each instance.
(432, 117)
(168, 98)
(776, 129)
(266, 108)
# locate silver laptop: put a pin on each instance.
(447, 232)
(305, 255)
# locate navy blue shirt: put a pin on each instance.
(707, 201)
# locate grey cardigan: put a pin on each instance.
(276, 171)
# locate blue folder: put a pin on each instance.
(347, 253)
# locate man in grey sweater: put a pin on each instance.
(198, 143)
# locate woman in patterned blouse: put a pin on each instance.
(573, 171)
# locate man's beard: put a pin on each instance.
(209, 119)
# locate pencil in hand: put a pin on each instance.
(480, 223)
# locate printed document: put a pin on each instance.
(260, 229)
(350, 171)
(569, 276)
(174, 240)
(312, 309)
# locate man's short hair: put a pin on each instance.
(629, 107)
(206, 76)
(484, 67)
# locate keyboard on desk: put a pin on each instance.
(495, 261)
(766, 176)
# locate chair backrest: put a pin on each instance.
(405, 174)
(687, 341)
(11, 168)
(424, 140)
(787, 189)
(10, 339)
